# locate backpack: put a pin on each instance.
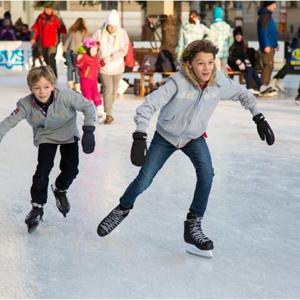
(165, 62)
(129, 58)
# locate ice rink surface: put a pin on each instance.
(253, 214)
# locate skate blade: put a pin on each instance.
(193, 250)
(60, 209)
(32, 227)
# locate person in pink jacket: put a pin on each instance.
(89, 64)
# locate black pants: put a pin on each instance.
(282, 72)
(49, 57)
(68, 166)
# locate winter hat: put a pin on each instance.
(267, 3)
(218, 14)
(90, 42)
(113, 18)
(238, 31)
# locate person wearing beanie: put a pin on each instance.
(191, 31)
(239, 60)
(267, 38)
(114, 43)
(221, 35)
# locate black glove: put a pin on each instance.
(264, 130)
(88, 139)
(139, 148)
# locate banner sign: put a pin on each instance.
(15, 56)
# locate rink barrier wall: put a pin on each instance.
(16, 56)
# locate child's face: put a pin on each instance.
(203, 65)
(238, 38)
(94, 50)
(42, 90)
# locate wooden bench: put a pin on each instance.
(147, 83)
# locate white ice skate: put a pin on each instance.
(101, 114)
(192, 249)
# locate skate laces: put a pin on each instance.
(196, 231)
(114, 219)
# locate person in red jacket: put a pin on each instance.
(48, 27)
(89, 64)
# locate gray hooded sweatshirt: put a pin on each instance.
(185, 109)
(59, 125)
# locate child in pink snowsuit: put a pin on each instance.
(88, 65)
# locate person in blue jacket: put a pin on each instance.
(185, 104)
(267, 38)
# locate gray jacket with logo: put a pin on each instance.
(185, 109)
(59, 126)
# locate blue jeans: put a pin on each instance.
(70, 57)
(160, 150)
(249, 74)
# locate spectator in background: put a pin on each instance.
(114, 43)
(277, 80)
(191, 31)
(6, 15)
(48, 27)
(221, 35)
(239, 60)
(24, 34)
(267, 38)
(77, 32)
(7, 31)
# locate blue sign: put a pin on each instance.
(12, 58)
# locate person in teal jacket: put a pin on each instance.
(51, 112)
(185, 104)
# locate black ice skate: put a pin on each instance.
(62, 202)
(112, 220)
(197, 242)
(34, 217)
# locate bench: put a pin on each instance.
(147, 83)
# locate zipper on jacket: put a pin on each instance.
(190, 121)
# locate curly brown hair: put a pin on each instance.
(189, 54)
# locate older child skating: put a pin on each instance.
(186, 103)
(52, 114)
(89, 65)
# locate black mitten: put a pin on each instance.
(264, 130)
(88, 139)
(139, 148)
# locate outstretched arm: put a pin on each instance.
(12, 120)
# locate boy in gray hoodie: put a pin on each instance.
(186, 103)
(52, 114)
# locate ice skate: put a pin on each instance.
(101, 114)
(197, 242)
(34, 217)
(62, 202)
(112, 220)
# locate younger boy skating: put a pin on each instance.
(52, 114)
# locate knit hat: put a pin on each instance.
(238, 31)
(113, 18)
(90, 42)
(267, 3)
(218, 14)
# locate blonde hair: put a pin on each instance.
(35, 74)
(189, 54)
